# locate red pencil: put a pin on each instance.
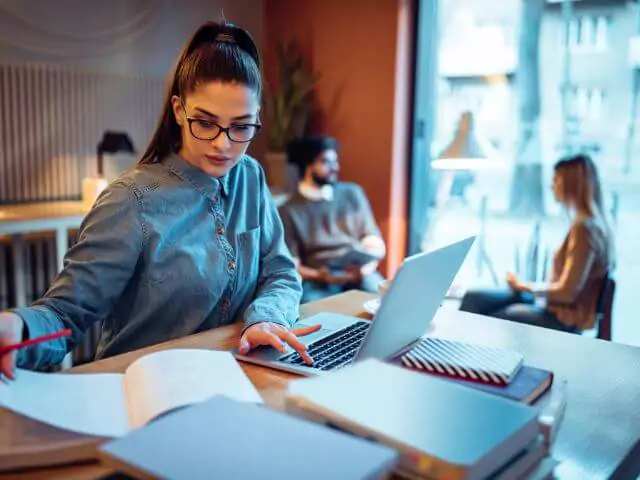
(34, 341)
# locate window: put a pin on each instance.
(584, 104)
(602, 29)
(511, 206)
(587, 33)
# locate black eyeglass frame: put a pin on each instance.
(221, 129)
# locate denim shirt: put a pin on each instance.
(168, 251)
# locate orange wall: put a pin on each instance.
(362, 49)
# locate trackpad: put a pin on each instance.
(312, 337)
(330, 322)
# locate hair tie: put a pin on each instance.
(225, 38)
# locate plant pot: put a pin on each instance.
(281, 176)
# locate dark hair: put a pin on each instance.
(216, 51)
(302, 152)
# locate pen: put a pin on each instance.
(34, 341)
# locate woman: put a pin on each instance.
(580, 265)
(188, 240)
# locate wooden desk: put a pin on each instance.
(17, 220)
(599, 438)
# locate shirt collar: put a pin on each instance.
(315, 194)
(206, 184)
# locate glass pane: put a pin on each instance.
(595, 104)
(574, 33)
(587, 34)
(582, 103)
(507, 197)
(602, 27)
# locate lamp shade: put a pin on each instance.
(466, 151)
(113, 142)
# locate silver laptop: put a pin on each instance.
(404, 315)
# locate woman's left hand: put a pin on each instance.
(268, 333)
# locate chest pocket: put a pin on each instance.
(247, 247)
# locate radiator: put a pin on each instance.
(40, 262)
(52, 118)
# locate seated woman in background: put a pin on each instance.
(580, 265)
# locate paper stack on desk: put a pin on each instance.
(110, 405)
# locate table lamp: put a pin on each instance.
(468, 152)
(111, 143)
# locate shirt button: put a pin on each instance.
(220, 230)
(226, 303)
(216, 199)
(232, 265)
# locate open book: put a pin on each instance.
(110, 405)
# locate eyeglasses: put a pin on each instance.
(208, 130)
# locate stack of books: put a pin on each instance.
(440, 428)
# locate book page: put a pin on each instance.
(162, 381)
(92, 404)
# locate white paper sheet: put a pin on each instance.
(92, 404)
(110, 405)
(168, 379)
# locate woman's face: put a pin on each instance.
(210, 106)
(558, 188)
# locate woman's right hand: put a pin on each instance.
(11, 327)
(516, 285)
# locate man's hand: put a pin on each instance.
(11, 327)
(352, 275)
(268, 333)
(369, 269)
(374, 245)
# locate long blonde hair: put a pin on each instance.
(582, 190)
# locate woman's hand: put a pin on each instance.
(515, 284)
(268, 333)
(11, 326)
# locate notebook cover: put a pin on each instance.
(494, 366)
(223, 438)
(529, 384)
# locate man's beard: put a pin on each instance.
(322, 181)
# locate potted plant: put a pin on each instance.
(288, 106)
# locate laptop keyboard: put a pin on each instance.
(335, 350)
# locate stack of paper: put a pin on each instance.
(110, 405)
